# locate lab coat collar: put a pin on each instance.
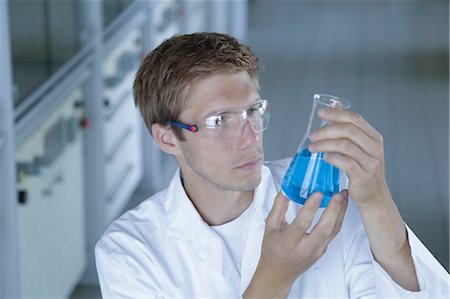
(185, 221)
(264, 197)
(265, 194)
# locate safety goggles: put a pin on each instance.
(230, 124)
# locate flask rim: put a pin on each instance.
(328, 100)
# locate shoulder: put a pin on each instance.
(126, 254)
(140, 225)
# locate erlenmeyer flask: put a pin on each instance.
(309, 172)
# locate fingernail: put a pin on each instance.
(318, 197)
(345, 195)
(313, 135)
(345, 191)
(338, 197)
(311, 147)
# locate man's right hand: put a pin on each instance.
(288, 250)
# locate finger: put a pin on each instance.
(340, 218)
(304, 218)
(276, 216)
(347, 164)
(344, 147)
(322, 246)
(341, 116)
(348, 131)
(323, 231)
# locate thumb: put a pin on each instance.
(278, 211)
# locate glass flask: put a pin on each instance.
(309, 172)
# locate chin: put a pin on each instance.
(253, 182)
(241, 184)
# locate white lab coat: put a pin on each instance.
(164, 249)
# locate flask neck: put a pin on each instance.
(315, 122)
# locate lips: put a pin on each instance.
(250, 164)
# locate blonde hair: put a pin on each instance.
(162, 82)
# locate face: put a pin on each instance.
(230, 165)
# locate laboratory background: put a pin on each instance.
(75, 154)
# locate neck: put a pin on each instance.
(216, 206)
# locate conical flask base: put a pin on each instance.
(309, 173)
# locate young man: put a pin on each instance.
(222, 229)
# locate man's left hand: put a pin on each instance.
(354, 146)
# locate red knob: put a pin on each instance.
(85, 122)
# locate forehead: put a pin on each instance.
(219, 92)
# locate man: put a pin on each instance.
(223, 229)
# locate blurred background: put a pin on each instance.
(75, 154)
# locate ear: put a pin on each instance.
(166, 139)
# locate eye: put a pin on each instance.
(216, 121)
(258, 107)
(252, 110)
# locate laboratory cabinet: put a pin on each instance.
(51, 207)
(121, 125)
(114, 151)
(47, 51)
(73, 147)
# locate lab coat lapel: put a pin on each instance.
(206, 246)
(212, 253)
(184, 220)
(264, 197)
(263, 200)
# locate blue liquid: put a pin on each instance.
(309, 173)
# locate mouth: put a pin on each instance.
(251, 164)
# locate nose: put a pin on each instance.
(249, 137)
